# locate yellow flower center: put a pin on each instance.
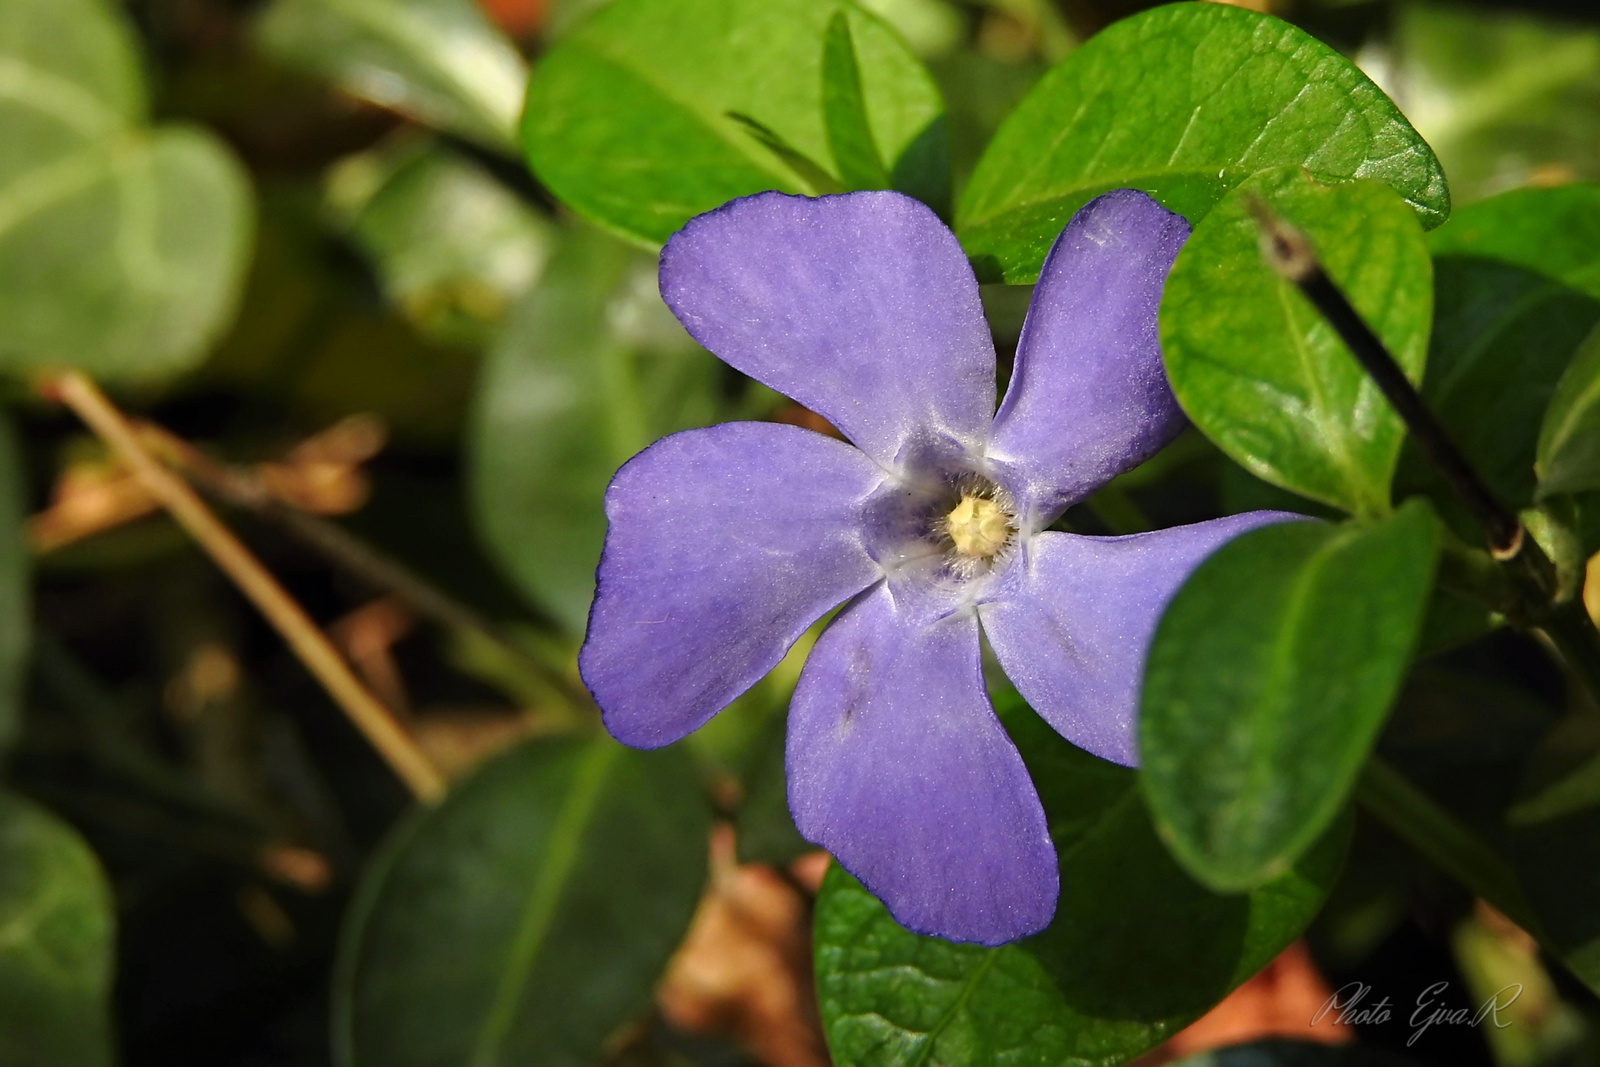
(978, 527)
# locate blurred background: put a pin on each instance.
(432, 371)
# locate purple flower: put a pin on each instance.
(725, 544)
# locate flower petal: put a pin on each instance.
(1089, 397)
(722, 546)
(860, 306)
(898, 766)
(1072, 636)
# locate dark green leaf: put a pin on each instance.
(452, 246)
(641, 116)
(844, 111)
(121, 248)
(440, 61)
(1261, 372)
(55, 944)
(1136, 951)
(1558, 860)
(1569, 441)
(590, 370)
(1185, 102)
(528, 916)
(1517, 282)
(1269, 677)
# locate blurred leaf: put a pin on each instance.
(1262, 373)
(766, 830)
(1504, 97)
(1569, 440)
(1136, 951)
(55, 943)
(979, 93)
(1268, 680)
(15, 606)
(527, 916)
(440, 61)
(121, 247)
(1558, 860)
(1185, 102)
(1517, 288)
(590, 370)
(454, 248)
(641, 117)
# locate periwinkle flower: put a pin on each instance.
(725, 544)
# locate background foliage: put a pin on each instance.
(384, 272)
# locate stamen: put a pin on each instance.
(978, 527)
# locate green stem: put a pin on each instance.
(1445, 841)
(1570, 629)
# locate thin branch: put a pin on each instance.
(398, 749)
(334, 542)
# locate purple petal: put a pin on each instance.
(898, 766)
(1089, 398)
(722, 546)
(1072, 636)
(859, 306)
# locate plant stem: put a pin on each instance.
(1439, 836)
(338, 545)
(313, 648)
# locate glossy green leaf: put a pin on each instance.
(439, 61)
(1185, 102)
(452, 246)
(1569, 441)
(649, 113)
(591, 369)
(1505, 97)
(122, 248)
(56, 939)
(1136, 951)
(1268, 680)
(844, 111)
(1262, 373)
(526, 917)
(15, 602)
(1517, 288)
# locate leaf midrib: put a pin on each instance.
(47, 92)
(544, 896)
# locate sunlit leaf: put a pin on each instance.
(1261, 372)
(651, 112)
(1185, 102)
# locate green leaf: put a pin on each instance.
(439, 61)
(641, 117)
(1504, 97)
(122, 248)
(15, 607)
(1261, 372)
(1569, 441)
(1185, 102)
(844, 111)
(589, 371)
(1517, 288)
(453, 247)
(1558, 860)
(1137, 949)
(55, 943)
(1268, 680)
(527, 916)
